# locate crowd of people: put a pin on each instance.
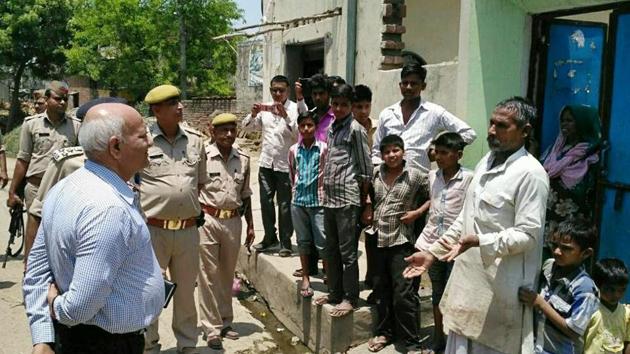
(142, 201)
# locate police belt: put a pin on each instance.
(174, 224)
(219, 213)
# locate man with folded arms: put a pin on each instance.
(169, 190)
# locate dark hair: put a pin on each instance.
(525, 110)
(411, 57)
(413, 68)
(362, 93)
(280, 78)
(320, 82)
(343, 90)
(580, 231)
(610, 271)
(308, 115)
(450, 140)
(392, 139)
(336, 80)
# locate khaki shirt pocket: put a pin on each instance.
(159, 164)
(42, 142)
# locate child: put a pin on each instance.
(306, 166)
(448, 187)
(568, 297)
(398, 190)
(609, 329)
(347, 175)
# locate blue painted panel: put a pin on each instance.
(574, 70)
(615, 226)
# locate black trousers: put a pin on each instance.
(275, 184)
(398, 304)
(86, 339)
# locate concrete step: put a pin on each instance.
(272, 277)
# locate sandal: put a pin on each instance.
(214, 342)
(298, 273)
(229, 333)
(342, 309)
(376, 344)
(306, 292)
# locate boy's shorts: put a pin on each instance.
(439, 273)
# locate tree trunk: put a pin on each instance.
(93, 89)
(182, 52)
(15, 115)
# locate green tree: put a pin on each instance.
(33, 34)
(134, 45)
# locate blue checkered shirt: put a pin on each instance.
(94, 243)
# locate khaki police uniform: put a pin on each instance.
(38, 139)
(221, 197)
(64, 162)
(170, 199)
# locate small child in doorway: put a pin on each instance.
(306, 166)
(568, 296)
(609, 329)
(448, 186)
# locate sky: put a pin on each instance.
(251, 12)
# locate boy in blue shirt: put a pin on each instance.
(568, 296)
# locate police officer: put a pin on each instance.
(225, 197)
(169, 191)
(41, 135)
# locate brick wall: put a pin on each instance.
(197, 112)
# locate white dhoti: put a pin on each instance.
(458, 344)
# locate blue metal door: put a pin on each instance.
(615, 212)
(575, 54)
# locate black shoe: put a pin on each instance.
(285, 252)
(371, 299)
(263, 246)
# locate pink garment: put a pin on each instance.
(321, 133)
(570, 167)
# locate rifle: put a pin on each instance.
(16, 231)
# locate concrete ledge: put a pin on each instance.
(272, 277)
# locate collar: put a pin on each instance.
(566, 279)
(63, 119)
(157, 131)
(500, 168)
(383, 167)
(316, 143)
(458, 175)
(397, 107)
(110, 177)
(347, 120)
(213, 151)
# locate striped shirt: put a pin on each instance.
(347, 164)
(306, 170)
(425, 123)
(447, 201)
(407, 193)
(94, 244)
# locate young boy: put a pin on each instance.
(448, 187)
(609, 329)
(306, 166)
(398, 191)
(347, 175)
(568, 297)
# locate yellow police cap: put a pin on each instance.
(161, 93)
(223, 118)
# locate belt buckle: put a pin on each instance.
(172, 224)
(225, 213)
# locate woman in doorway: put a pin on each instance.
(572, 165)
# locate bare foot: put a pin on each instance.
(321, 300)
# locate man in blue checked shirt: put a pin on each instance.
(93, 281)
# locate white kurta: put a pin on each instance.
(504, 206)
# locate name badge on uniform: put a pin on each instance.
(43, 134)
(157, 156)
(214, 174)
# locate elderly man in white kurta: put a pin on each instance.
(496, 242)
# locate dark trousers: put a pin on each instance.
(371, 246)
(273, 183)
(398, 305)
(313, 259)
(340, 225)
(86, 339)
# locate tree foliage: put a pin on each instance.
(33, 34)
(132, 45)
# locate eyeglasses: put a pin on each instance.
(60, 98)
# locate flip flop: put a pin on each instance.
(342, 309)
(229, 333)
(376, 344)
(214, 342)
(307, 292)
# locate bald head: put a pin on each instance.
(103, 122)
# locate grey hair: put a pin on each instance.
(525, 110)
(95, 133)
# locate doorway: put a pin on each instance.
(303, 61)
(580, 57)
